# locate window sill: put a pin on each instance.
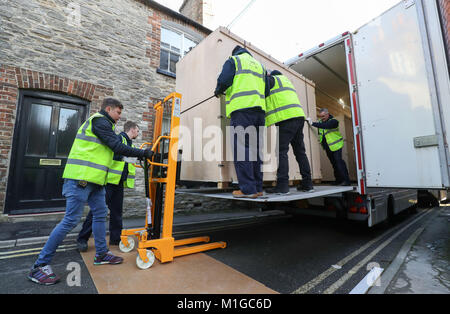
(167, 73)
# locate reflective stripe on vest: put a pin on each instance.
(248, 86)
(116, 170)
(89, 159)
(333, 137)
(283, 102)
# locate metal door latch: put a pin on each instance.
(426, 141)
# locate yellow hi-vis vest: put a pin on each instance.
(248, 86)
(89, 159)
(283, 102)
(118, 166)
(333, 137)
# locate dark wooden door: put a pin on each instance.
(46, 131)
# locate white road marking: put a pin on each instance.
(314, 282)
(363, 262)
(368, 281)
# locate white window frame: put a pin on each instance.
(182, 53)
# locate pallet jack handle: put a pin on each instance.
(198, 104)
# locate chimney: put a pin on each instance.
(200, 11)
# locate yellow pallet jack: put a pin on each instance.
(159, 175)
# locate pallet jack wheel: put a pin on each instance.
(129, 248)
(143, 265)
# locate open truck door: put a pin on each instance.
(401, 96)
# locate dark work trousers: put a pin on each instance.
(114, 201)
(339, 166)
(291, 132)
(246, 126)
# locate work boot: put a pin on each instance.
(279, 191)
(82, 246)
(239, 194)
(307, 189)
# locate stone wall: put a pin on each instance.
(88, 49)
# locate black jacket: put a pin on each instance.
(226, 77)
(326, 125)
(120, 157)
(102, 128)
(329, 124)
(270, 83)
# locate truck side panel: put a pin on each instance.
(397, 119)
(438, 75)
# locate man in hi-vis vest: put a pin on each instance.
(283, 109)
(85, 176)
(332, 141)
(243, 81)
(114, 191)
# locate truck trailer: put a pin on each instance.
(388, 85)
(392, 76)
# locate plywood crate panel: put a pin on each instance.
(196, 80)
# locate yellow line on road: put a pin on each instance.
(34, 251)
(364, 261)
(317, 280)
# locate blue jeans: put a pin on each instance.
(76, 197)
(114, 200)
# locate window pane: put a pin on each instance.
(173, 61)
(188, 44)
(67, 130)
(171, 38)
(164, 60)
(39, 130)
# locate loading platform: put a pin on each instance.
(294, 195)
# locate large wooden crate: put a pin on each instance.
(196, 80)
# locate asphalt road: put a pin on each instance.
(304, 254)
(289, 254)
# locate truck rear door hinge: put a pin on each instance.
(362, 175)
(408, 3)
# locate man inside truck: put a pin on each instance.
(243, 81)
(332, 142)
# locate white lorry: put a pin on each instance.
(391, 78)
(394, 74)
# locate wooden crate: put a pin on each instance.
(196, 80)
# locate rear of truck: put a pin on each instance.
(390, 80)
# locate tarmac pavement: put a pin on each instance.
(422, 265)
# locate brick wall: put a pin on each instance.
(167, 85)
(112, 46)
(14, 78)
